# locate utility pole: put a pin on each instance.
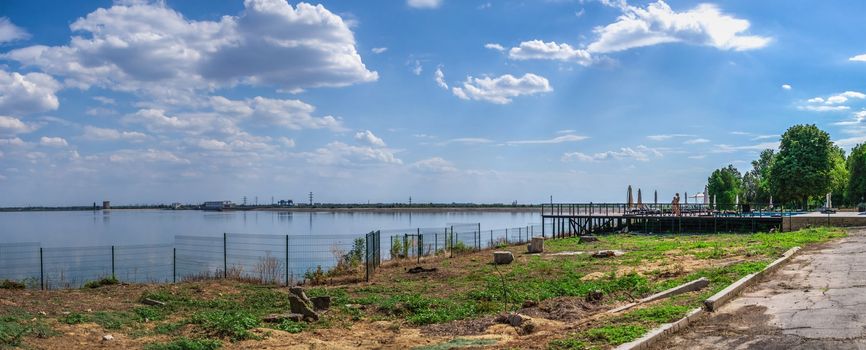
(257, 201)
(245, 200)
(410, 201)
(311, 199)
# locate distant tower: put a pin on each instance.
(311, 199)
(410, 201)
(245, 200)
(106, 205)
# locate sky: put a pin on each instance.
(438, 100)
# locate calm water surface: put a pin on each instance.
(122, 227)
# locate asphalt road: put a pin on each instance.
(816, 301)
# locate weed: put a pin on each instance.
(615, 335)
(10, 284)
(291, 326)
(569, 343)
(183, 343)
(74, 318)
(113, 319)
(234, 325)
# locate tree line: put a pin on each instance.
(806, 167)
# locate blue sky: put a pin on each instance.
(441, 100)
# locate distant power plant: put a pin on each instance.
(106, 205)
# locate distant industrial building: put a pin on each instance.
(106, 205)
(286, 203)
(217, 205)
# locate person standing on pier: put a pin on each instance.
(675, 205)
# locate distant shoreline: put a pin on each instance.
(371, 209)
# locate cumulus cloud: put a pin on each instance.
(27, 93)
(858, 58)
(368, 137)
(786, 86)
(424, 4)
(724, 148)
(540, 50)
(150, 155)
(832, 103)
(378, 50)
(105, 134)
(292, 114)
(434, 165)
(640, 153)
(13, 126)
(339, 153)
(659, 24)
(494, 46)
(439, 76)
(135, 46)
(501, 90)
(558, 139)
(53, 141)
(11, 32)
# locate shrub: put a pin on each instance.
(107, 281)
(9, 284)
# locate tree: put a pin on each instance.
(856, 174)
(724, 185)
(756, 185)
(802, 168)
(838, 174)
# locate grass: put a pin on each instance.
(234, 325)
(183, 343)
(17, 324)
(107, 281)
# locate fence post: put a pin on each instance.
(420, 245)
(287, 260)
(491, 239)
(435, 243)
(173, 265)
(506, 236)
(367, 257)
(225, 256)
(112, 262)
(41, 270)
(451, 248)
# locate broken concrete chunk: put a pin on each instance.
(299, 292)
(502, 257)
(278, 318)
(298, 306)
(587, 239)
(152, 302)
(536, 246)
(321, 303)
(607, 253)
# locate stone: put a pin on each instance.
(515, 320)
(536, 246)
(607, 253)
(278, 318)
(321, 303)
(502, 257)
(107, 337)
(587, 239)
(420, 269)
(298, 306)
(152, 302)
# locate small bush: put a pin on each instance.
(183, 343)
(74, 318)
(9, 284)
(107, 281)
(315, 276)
(291, 326)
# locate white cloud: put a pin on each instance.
(13, 126)
(292, 114)
(502, 89)
(11, 32)
(696, 141)
(418, 68)
(434, 165)
(723, 148)
(424, 4)
(150, 47)
(338, 153)
(287, 142)
(28, 93)
(378, 50)
(786, 86)
(368, 137)
(494, 46)
(665, 137)
(832, 103)
(466, 141)
(558, 139)
(150, 155)
(858, 58)
(698, 156)
(105, 100)
(659, 24)
(640, 153)
(106, 134)
(15, 141)
(539, 50)
(439, 76)
(53, 141)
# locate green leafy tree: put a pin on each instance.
(724, 185)
(802, 168)
(838, 174)
(856, 190)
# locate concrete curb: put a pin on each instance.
(714, 302)
(691, 286)
(664, 330)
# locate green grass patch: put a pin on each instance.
(107, 281)
(113, 319)
(16, 325)
(234, 325)
(457, 343)
(183, 343)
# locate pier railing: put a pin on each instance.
(666, 209)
